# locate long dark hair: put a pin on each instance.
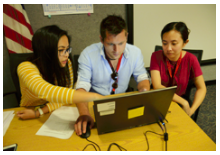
(180, 27)
(45, 57)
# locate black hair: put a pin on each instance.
(180, 27)
(45, 46)
(113, 24)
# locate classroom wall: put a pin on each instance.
(149, 20)
(83, 29)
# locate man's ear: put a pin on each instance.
(126, 35)
(101, 39)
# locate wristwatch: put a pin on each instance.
(40, 111)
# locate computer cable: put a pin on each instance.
(120, 148)
(165, 135)
(88, 145)
(165, 132)
(92, 145)
(145, 134)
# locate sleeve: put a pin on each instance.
(32, 79)
(154, 65)
(140, 73)
(54, 106)
(84, 72)
(195, 70)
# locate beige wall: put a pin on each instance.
(149, 20)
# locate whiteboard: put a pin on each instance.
(149, 20)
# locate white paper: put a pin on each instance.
(106, 106)
(7, 118)
(59, 9)
(60, 124)
(109, 112)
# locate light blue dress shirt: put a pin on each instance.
(94, 73)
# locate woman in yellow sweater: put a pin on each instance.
(46, 80)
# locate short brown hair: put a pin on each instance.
(113, 24)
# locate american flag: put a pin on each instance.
(17, 29)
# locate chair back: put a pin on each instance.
(75, 67)
(197, 53)
(15, 60)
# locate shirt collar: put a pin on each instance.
(126, 52)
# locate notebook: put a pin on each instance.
(132, 110)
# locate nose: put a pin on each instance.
(115, 48)
(169, 47)
(66, 54)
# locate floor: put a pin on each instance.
(207, 113)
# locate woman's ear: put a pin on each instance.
(184, 44)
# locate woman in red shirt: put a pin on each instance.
(174, 66)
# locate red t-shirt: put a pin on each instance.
(188, 69)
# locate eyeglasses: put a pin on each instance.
(63, 52)
(114, 76)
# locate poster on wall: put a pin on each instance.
(60, 9)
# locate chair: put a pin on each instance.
(75, 65)
(198, 54)
(15, 60)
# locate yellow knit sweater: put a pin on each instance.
(36, 91)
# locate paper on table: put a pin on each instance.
(7, 118)
(60, 123)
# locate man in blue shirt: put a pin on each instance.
(106, 67)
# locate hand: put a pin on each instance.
(26, 114)
(186, 108)
(142, 90)
(82, 122)
(191, 112)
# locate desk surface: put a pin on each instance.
(184, 135)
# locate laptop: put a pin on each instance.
(132, 110)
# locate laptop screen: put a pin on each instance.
(131, 110)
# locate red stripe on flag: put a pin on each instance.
(13, 35)
(10, 51)
(17, 15)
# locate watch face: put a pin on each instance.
(40, 111)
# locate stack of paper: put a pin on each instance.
(7, 118)
(60, 124)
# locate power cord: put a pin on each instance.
(92, 145)
(119, 147)
(165, 134)
(145, 134)
(163, 127)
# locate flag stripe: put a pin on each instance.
(22, 10)
(14, 47)
(13, 35)
(12, 12)
(16, 26)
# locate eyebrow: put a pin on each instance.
(114, 44)
(63, 46)
(171, 41)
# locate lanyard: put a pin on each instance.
(177, 65)
(117, 68)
